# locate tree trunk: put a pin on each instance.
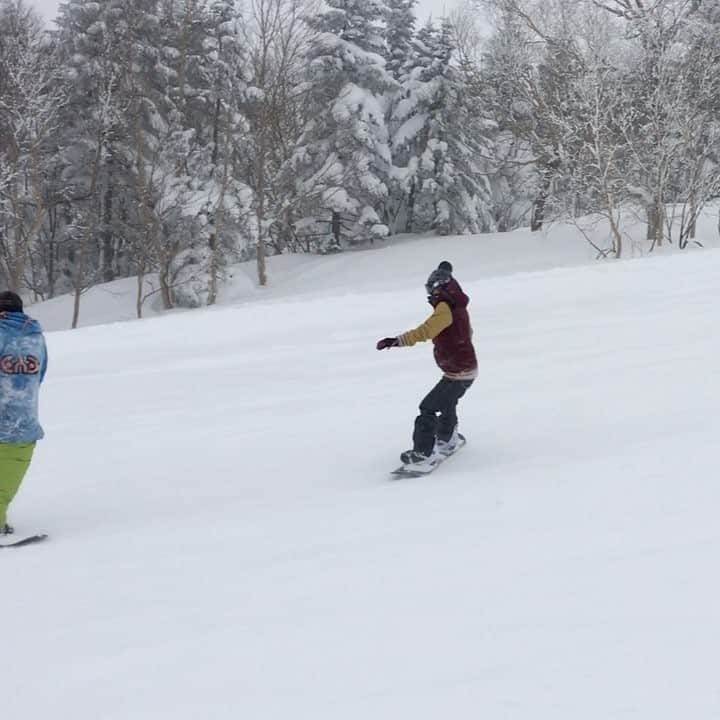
(213, 245)
(411, 209)
(79, 277)
(538, 210)
(617, 237)
(692, 229)
(139, 297)
(261, 250)
(165, 292)
(51, 267)
(261, 264)
(78, 283)
(50, 249)
(655, 217)
(108, 250)
(76, 308)
(336, 225)
(216, 132)
(16, 259)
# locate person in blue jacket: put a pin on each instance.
(23, 363)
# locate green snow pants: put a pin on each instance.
(14, 461)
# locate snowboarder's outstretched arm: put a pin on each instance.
(440, 320)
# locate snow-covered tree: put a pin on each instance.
(401, 19)
(221, 200)
(503, 73)
(152, 136)
(108, 133)
(342, 160)
(32, 94)
(595, 124)
(697, 175)
(277, 39)
(177, 137)
(530, 66)
(671, 80)
(440, 143)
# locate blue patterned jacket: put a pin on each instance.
(23, 362)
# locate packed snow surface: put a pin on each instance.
(226, 541)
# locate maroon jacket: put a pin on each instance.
(454, 351)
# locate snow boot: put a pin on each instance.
(419, 462)
(448, 447)
(410, 457)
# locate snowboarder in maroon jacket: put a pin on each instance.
(450, 330)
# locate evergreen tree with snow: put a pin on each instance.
(440, 143)
(96, 47)
(401, 20)
(32, 95)
(217, 200)
(148, 143)
(342, 160)
(402, 57)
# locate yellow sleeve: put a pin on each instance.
(440, 320)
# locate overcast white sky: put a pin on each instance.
(436, 8)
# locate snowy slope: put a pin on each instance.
(399, 263)
(226, 542)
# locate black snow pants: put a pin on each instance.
(442, 400)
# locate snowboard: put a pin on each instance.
(403, 472)
(17, 540)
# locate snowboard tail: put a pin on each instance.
(16, 540)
